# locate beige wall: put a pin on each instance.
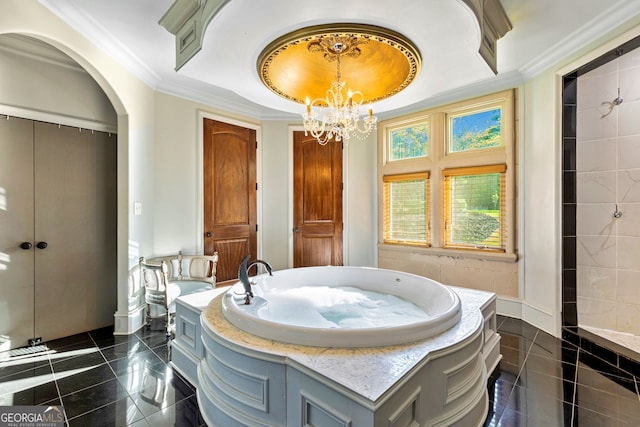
(133, 102)
(176, 172)
(499, 276)
(178, 189)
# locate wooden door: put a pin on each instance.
(317, 202)
(75, 215)
(230, 207)
(16, 227)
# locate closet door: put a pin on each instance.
(75, 211)
(16, 227)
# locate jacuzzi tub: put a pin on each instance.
(441, 307)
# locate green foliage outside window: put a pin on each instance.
(475, 210)
(477, 130)
(409, 142)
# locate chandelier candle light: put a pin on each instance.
(342, 115)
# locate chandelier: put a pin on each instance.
(300, 64)
(341, 105)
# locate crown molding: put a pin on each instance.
(97, 34)
(34, 49)
(218, 98)
(611, 19)
(229, 102)
(473, 90)
(620, 16)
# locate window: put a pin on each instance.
(408, 142)
(475, 130)
(438, 191)
(474, 207)
(406, 214)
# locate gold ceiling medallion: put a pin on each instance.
(300, 67)
(386, 62)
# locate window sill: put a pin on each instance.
(454, 253)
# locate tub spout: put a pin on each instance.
(243, 275)
(265, 263)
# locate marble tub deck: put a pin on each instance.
(369, 372)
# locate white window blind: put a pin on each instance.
(475, 207)
(406, 212)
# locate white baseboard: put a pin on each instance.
(509, 307)
(542, 318)
(129, 322)
(536, 316)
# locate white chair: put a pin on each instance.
(162, 287)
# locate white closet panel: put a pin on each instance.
(16, 227)
(71, 274)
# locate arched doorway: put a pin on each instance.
(59, 209)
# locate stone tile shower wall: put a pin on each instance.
(608, 177)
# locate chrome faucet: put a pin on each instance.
(243, 275)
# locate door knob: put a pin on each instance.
(26, 245)
(297, 229)
(209, 234)
(41, 245)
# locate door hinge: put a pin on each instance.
(256, 186)
(256, 227)
(256, 145)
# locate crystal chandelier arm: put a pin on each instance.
(342, 115)
(316, 128)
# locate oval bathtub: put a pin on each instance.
(299, 298)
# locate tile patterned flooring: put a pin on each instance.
(546, 381)
(104, 380)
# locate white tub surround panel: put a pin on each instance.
(245, 380)
(186, 348)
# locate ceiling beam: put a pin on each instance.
(188, 20)
(494, 23)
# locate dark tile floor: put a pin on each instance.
(545, 381)
(102, 380)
